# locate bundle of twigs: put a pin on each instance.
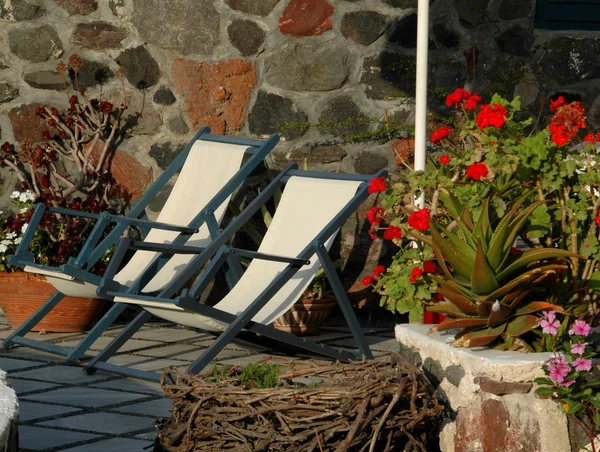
(380, 405)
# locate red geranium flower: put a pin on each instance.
(375, 215)
(491, 116)
(379, 270)
(392, 233)
(367, 280)
(419, 220)
(477, 171)
(445, 159)
(471, 102)
(430, 267)
(439, 134)
(377, 185)
(598, 220)
(566, 122)
(554, 104)
(415, 274)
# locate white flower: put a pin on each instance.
(26, 196)
(24, 228)
(11, 235)
(15, 195)
(3, 248)
(24, 210)
(17, 240)
(5, 242)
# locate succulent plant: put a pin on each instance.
(487, 287)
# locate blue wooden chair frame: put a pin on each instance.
(95, 246)
(219, 252)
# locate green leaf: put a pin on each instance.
(456, 257)
(479, 338)
(543, 381)
(531, 256)
(483, 280)
(589, 247)
(267, 218)
(592, 384)
(458, 323)
(546, 392)
(521, 325)
(536, 306)
(597, 418)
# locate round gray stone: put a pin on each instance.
(189, 27)
(91, 74)
(446, 35)
(35, 44)
(177, 125)
(388, 76)
(246, 36)
(164, 96)
(364, 27)
(405, 32)
(516, 40)
(567, 60)
(45, 80)
(141, 69)
(313, 67)
(275, 114)
(515, 9)
(259, 8)
(471, 13)
(344, 118)
(369, 163)
(19, 10)
(7, 92)
(165, 153)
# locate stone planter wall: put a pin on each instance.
(490, 395)
(300, 67)
(9, 416)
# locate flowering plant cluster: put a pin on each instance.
(69, 168)
(495, 181)
(569, 372)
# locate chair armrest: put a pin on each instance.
(267, 257)
(165, 248)
(150, 224)
(75, 213)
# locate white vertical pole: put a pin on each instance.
(421, 91)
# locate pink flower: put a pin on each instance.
(558, 370)
(568, 383)
(580, 328)
(578, 349)
(582, 364)
(549, 323)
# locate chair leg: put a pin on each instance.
(34, 319)
(343, 301)
(118, 341)
(101, 326)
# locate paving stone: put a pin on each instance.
(155, 408)
(84, 397)
(30, 353)
(29, 411)
(170, 335)
(103, 341)
(131, 385)
(375, 342)
(114, 445)
(189, 352)
(9, 364)
(102, 422)
(60, 374)
(147, 435)
(25, 386)
(37, 438)
(46, 337)
(143, 362)
(237, 345)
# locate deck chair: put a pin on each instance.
(210, 169)
(310, 212)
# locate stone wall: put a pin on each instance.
(334, 77)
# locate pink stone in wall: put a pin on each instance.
(216, 95)
(306, 18)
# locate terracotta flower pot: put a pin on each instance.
(21, 294)
(305, 317)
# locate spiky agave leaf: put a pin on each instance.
(449, 324)
(483, 279)
(521, 325)
(456, 257)
(537, 306)
(447, 309)
(534, 255)
(479, 338)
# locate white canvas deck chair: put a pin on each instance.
(310, 212)
(210, 169)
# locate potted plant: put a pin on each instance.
(69, 168)
(307, 315)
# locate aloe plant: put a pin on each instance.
(485, 286)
